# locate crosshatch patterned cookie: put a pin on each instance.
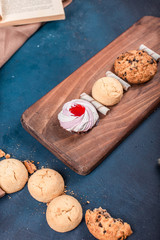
(135, 66)
(102, 226)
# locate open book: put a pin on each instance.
(17, 12)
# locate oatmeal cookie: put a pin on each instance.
(135, 66)
(104, 227)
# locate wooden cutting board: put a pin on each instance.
(83, 152)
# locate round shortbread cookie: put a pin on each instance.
(64, 213)
(45, 184)
(13, 175)
(107, 90)
(102, 226)
(135, 66)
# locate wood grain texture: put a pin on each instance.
(84, 152)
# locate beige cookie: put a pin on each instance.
(13, 175)
(135, 66)
(45, 184)
(64, 213)
(107, 91)
(102, 226)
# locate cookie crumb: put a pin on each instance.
(2, 153)
(7, 156)
(31, 168)
(88, 202)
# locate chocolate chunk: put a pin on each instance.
(129, 61)
(120, 220)
(134, 59)
(137, 60)
(119, 62)
(99, 216)
(152, 61)
(109, 225)
(125, 73)
(131, 69)
(100, 224)
(104, 231)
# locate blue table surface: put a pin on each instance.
(127, 182)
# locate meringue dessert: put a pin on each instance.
(78, 116)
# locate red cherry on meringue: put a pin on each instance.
(77, 110)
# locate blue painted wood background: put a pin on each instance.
(127, 182)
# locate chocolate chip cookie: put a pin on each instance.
(102, 226)
(135, 66)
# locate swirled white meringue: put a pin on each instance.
(82, 123)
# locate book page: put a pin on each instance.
(25, 9)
